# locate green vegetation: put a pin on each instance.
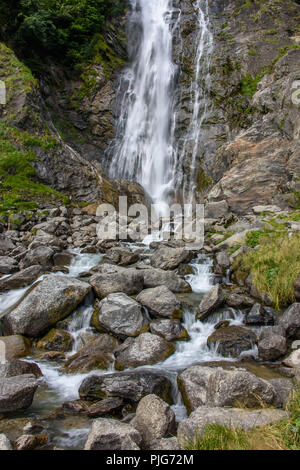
(274, 265)
(60, 29)
(284, 435)
(19, 187)
(249, 84)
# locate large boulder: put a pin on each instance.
(271, 343)
(16, 393)
(166, 257)
(290, 321)
(214, 386)
(109, 434)
(154, 419)
(50, 301)
(112, 279)
(293, 360)
(121, 256)
(132, 386)
(171, 330)
(6, 245)
(213, 299)
(56, 340)
(21, 279)
(96, 354)
(216, 210)
(15, 346)
(284, 390)
(160, 302)
(154, 277)
(259, 316)
(190, 429)
(8, 265)
(146, 349)
(42, 255)
(16, 367)
(169, 443)
(232, 341)
(121, 316)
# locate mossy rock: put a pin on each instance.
(56, 340)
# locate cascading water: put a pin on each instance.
(143, 150)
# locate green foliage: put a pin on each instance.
(62, 29)
(19, 188)
(249, 84)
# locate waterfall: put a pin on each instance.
(192, 142)
(145, 148)
(144, 144)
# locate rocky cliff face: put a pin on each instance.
(249, 140)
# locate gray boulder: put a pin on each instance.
(293, 360)
(50, 301)
(210, 302)
(96, 354)
(232, 340)
(16, 367)
(8, 265)
(6, 245)
(171, 330)
(112, 279)
(214, 386)
(271, 343)
(121, 256)
(154, 277)
(284, 389)
(154, 419)
(258, 316)
(56, 340)
(170, 443)
(146, 349)
(290, 321)
(170, 258)
(161, 302)
(132, 386)
(16, 393)
(193, 427)
(121, 316)
(109, 434)
(15, 346)
(21, 279)
(216, 210)
(42, 255)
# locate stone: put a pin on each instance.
(293, 360)
(121, 316)
(5, 443)
(238, 300)
(131, 386)
(170, 443)
(96, 354)
(109, 434)
(154, 419)
(290, 321)
(271, 343)
(258, 316)
(213, 299)
(51, 300)
(42, 255)
(260, 209)
(170, 258)
(193, 427)
(16, 393)
(21, 279)
(160, 302)
(146, 349)
(284, 389)
(232, 341)
(6, 245)
(223, 259)
(216, 210)
(215, 386)
(15, 346)
(171, 330)
(63, 259)
(56, 340)
(16, 367)
(109, 406)
(114, 279)
(8, 265)
(121, 256)
(155, 277)
(30, 441)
